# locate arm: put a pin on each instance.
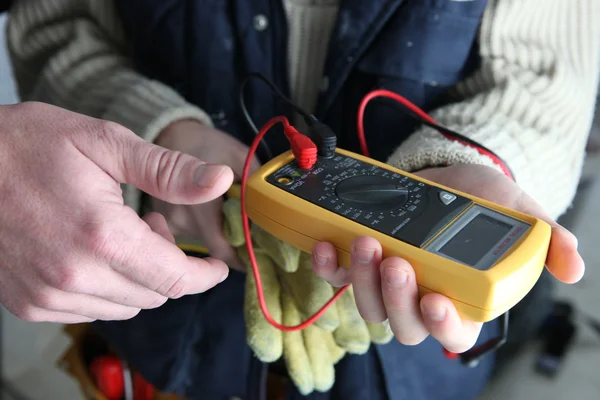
(72, 53)
(532, 101)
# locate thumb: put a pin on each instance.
(170, 176)
(563, 259)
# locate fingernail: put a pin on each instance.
(363, 256)
(320, 259)
(396, 277)
(436, 314)
(207, 174)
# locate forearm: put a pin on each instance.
(72, 53)
(532, 101)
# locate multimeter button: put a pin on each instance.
(446, 197)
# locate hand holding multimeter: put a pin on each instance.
(469, 258)
(380, 293)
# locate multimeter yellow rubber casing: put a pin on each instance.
(482, 256)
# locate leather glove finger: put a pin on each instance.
(285, 256)
(310, 292)
(265, 340)
(352, 334)
(296, 357)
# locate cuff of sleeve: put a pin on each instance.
(147, 109)
(427, 148)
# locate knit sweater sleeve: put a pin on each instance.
(531, 102)
(73, 54)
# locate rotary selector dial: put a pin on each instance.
(364, 193)
(383, 200)
(370, 193)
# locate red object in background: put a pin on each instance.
(142, 390)
(107, 372)
(108, 375)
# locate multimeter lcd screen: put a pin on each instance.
(476, 239)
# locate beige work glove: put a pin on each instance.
(293, 293)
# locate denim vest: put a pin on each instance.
(203, 49)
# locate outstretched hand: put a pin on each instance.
(387, 289)
(70, 250)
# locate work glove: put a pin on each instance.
(292, 293)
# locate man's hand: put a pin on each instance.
(204, 222)
(386, 288)
(70, 250)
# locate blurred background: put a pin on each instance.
(30, 351)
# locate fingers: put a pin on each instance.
(171, 176)
(413, 320)
(401, 299)
(39, 315)
(55, 301)
(158, 224)
(150, 260)
(209, 226)
(325, 265)
(444, 324)
(563, 260)
(42, 303)
(387, 290)
(364, 272)
(108, 285)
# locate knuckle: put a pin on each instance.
(363, 275)
(30, 107)
(27, 312)
(67, 279)
(44, 299)
(173, 288)
(167, 164)
(100, 241)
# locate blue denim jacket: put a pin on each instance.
(203, 48)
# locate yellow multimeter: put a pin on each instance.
(482, 256)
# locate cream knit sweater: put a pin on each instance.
(531, 102)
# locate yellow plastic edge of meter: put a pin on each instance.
(479, 296)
